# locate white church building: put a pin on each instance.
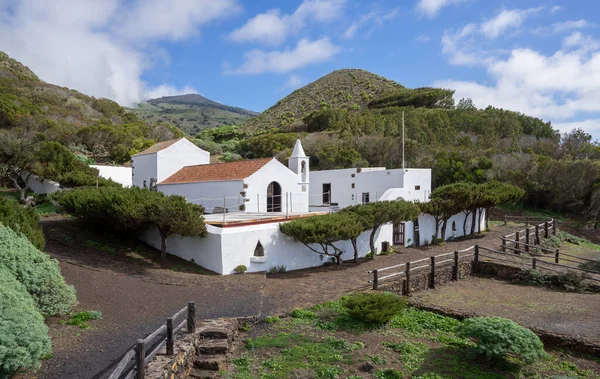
(245, 201)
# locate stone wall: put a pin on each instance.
(420, 279)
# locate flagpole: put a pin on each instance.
(403, 140)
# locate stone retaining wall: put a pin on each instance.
(419, 280)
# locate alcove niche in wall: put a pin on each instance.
(259, 254)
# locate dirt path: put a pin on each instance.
(540, 308)
(135, 293)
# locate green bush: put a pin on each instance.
(303, 313)
(497, 337)
(79, 319)
(240, 269)
(24, 337)
(39, 273)
(373, 308)
(417, 320)
(22, 220)
(570, 281)
(277, 269)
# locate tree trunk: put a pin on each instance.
(437, 228)
(473, 221)
(465, 224)
(338, 259)
(372, 241)
(487, 218)
(353, 240)
(163, 245)
(444, 224)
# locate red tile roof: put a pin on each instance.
(158, 147)
(217, 171)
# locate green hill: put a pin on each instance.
(191, 113)
(350, 89)
(98, 128)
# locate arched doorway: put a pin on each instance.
(274, 197)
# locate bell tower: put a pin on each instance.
(298, 163)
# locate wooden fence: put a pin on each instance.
(133, 363)
(526, 219)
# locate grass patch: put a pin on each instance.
(80, 319)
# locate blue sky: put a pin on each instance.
(538, 57)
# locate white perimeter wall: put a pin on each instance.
(121, 175)
(258, 182)
(226, 248)
(208, 194)
(180, 154)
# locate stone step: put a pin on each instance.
(211, 362)
(213, 347)
(203, 374)
(216, 333)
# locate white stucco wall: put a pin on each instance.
(257, 183)
(380, 183)
(166, 162)
(42, 186)
(178, 155)
(121, 175)
(144, 168)
(205, 252)
(427, 228)
(208, 194)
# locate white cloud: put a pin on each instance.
(100, 47)
(272, 28)
(562, 26)
(431, 8)
(167, 90)
(305, 53)
(505, 20)
(370, 18)
(423, 38)
(294, 81)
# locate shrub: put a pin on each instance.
(417, 320)
(569, 281)
(373, 308)
(79, 319)
(39, 273)
(240, 269)
(277, 269)
(303, 313)
(497, 337)
(24, 337)
(22, 220)
(389, 373)
(271, 319)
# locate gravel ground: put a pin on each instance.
(135, 294)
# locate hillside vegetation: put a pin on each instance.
(191, 113)
(342, 89)
(98, 128)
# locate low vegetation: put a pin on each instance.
(21, 220)
(325, 341)
(570, 281)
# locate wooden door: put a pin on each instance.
(399, 234)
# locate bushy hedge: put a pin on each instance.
(374, 308)
(497, 337)
(22, 220)
(39, 273)
(24, 339)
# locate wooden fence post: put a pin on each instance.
(432, 274)
(526, 221)
(140, 356)
(517, 239)
(553, 226)
(556, 256)
(476, 259)
(504, 220)
(503, 245)
(170, 336)
(191, 317)
(533, 263)
(455, 268)
(537, 235)
(375, 279)
(546, 229)
(407, 274)
(527, 240)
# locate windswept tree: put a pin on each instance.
(493, 194)
(19, 155)
(174, 215)
(130, 210)
(324, 231)
(457, 197)
(374, 215)
(441, 209)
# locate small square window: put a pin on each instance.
(365, 197)
(417, 188)
(353, 185)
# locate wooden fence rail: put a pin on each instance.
(135, 360)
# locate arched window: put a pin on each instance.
(274, 197)
(259, 250)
